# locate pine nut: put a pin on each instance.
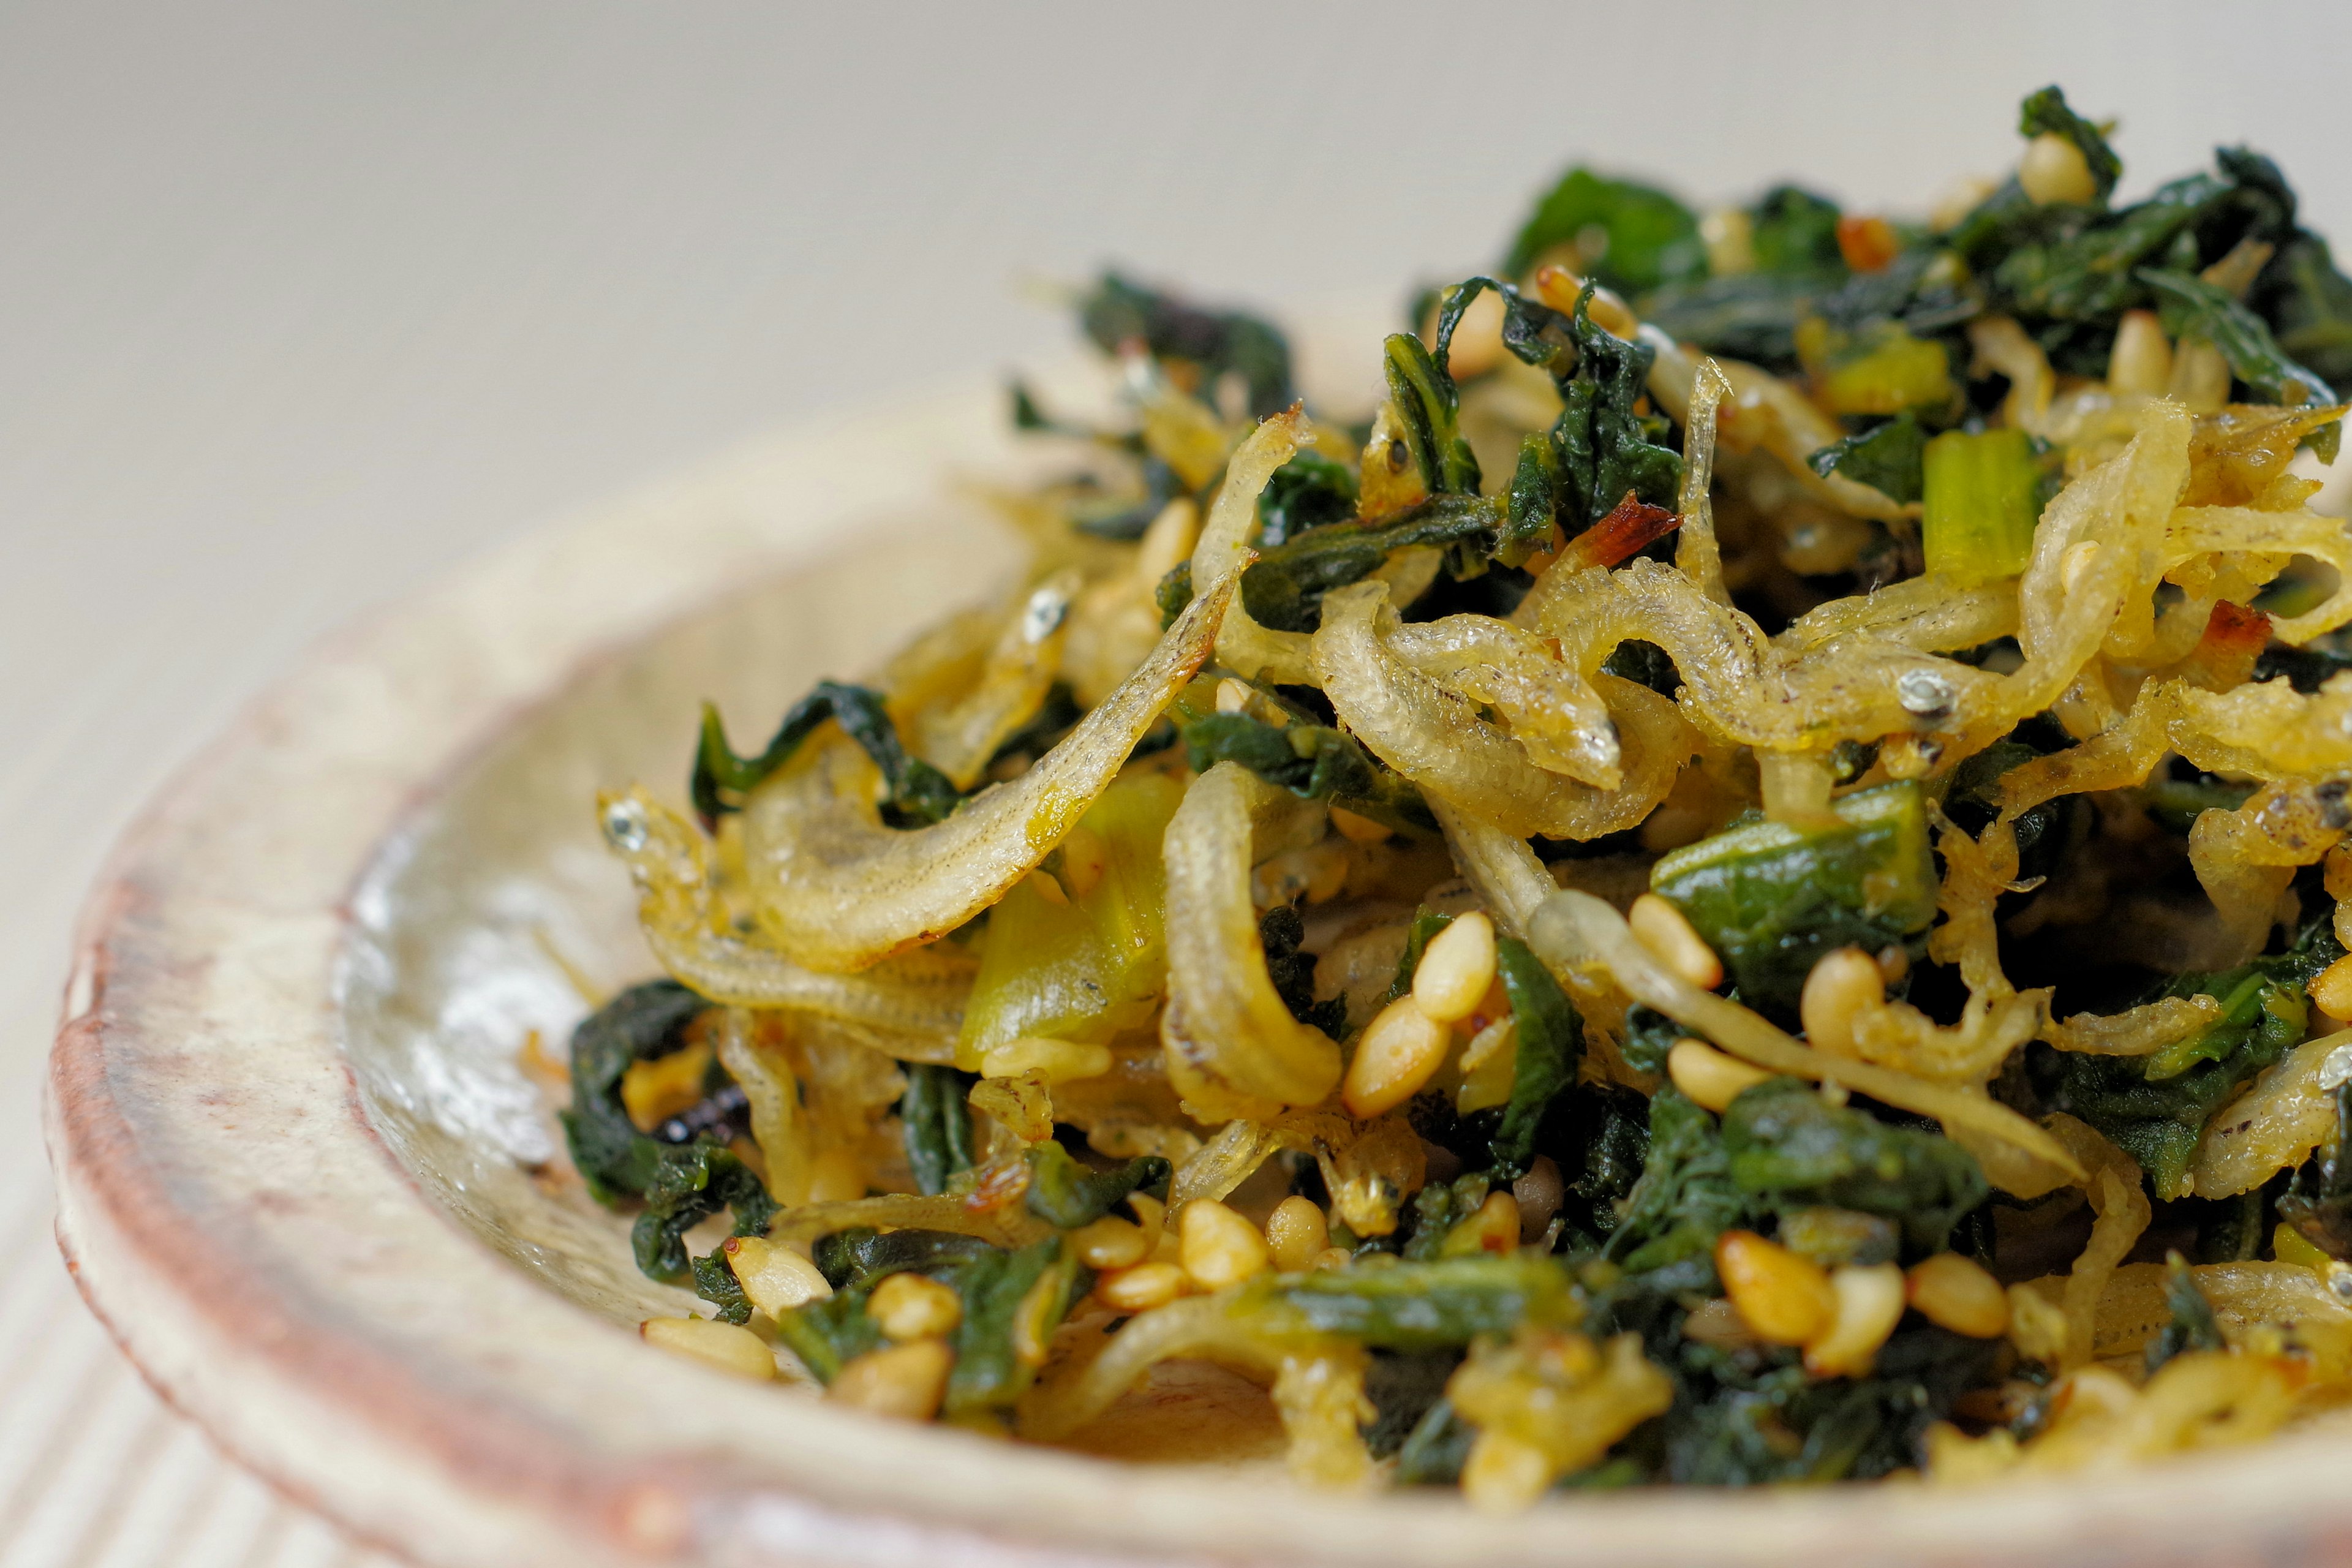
(1219, 1246)
(1141, 1287)
(2201, 376)
(722, 1345)
(913, 1307)
(1869, 1305)
(1085, 858)
(1660, 927)
(2331, 989)
(1398, 1053)
(1149, 1212)
(774, 1277)
(1784, 1300)
(1455, 969)
(1319, 871)
(1234, 696)
(2141, 362)
(905, 1381)
(1295, 1232)
(1537, 1194)
(1953, 1291)
(1057, 1061)
(1842, 987)
(1708, 1075)
(1334, 1258)
(1494, 1228)
(1357, 829)
(1110, 1242)
(2055, 170)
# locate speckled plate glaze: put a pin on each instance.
(304, 1182)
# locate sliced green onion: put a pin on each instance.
(1979, 504)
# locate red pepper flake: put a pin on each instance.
(2224, 656)
(1629, 526)
(1868, 244)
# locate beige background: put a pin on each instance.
(301, 304)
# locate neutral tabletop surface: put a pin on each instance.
(300, 303)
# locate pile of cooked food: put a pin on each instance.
(1739, 885)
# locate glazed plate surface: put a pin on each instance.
(305, 1181)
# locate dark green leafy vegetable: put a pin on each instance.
(862, 1256)
(1835, 1237)
(1685, 1197)
(1550, 1044)
(1174, 592)
(1772, 898)
(829, 1334)
(1428, 411)
(1215, 342)
(1608, 449)
(1437, 1208)
(1435, 1453)
(2194, 308)
(1284, 588)
(1793, 231)
(1599, 1136)
(2155, 1108)
(1305, 492)
(1887, 457)
(721, 779)
(2308, 303)
(1787, 1147)
(2192, 1326)
(715, 1282)
(1402, 1389)
(1748, 315)
(936, 1124)
(682, 1184)
(1736, 1427)
(1426, 924)
(1280, 931)
(2319, 1199)
(990, 1372)
(1649, 1036)
(1311, 761)
(1065, 1195)
(1630, 237)
(642, 1023)
(2045, 113)
(1416, 1306)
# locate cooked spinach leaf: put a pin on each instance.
(1887, 457)
(2319, 1199)
(721, 778)
(1550, 1044)
(1311, 761)
(2045, 113)
(936, 1124)
(1632, 238)
(1065, 1195)
(2155, 1108)
(1213, 343)
(1786, 1146)
(2191, 1326)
